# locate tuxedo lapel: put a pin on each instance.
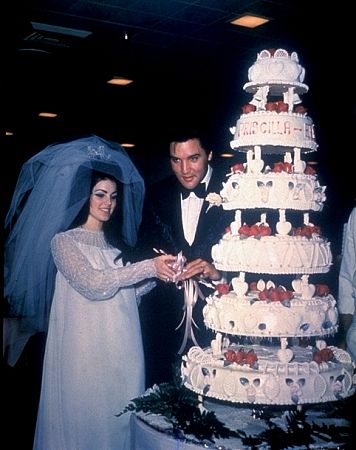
(207, 217)
(175, 217)
(206, 221)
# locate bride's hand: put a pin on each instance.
(163, 267)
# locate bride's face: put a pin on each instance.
(103, 199)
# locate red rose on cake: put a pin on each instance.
(323, 355)
(248, 108)
(223, 288)
(271, 106)
(282, 107)
(309, 170)
(322, 290)
(238, 167)
(256, 230)
(241, 357)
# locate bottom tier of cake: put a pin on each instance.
(261, 377)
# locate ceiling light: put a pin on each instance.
(120, 81)
(227, 155)
(47, 114)
(9, 133)
(60, 30)
(127, 145)
(249, 21)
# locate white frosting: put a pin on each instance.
(271, 381)
(247, 316)
(271, 375)
(274, 131)
(273, 190)
(277, 74)
(276, 69)
(272, 254)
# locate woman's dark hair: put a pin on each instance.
(113, 227)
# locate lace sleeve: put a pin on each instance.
(144, 288)
(95, 284)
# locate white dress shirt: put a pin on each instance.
(191, 207)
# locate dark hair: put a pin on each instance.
(186, 132)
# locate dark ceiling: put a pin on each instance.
(187, 61)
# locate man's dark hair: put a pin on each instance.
(186, 132)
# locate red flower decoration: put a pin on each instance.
(222, 288)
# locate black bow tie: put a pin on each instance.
(199, 191)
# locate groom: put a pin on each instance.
(176, 218)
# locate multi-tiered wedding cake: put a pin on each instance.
(269, 346)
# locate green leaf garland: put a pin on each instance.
(183, 409)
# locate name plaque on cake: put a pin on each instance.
(274, 129)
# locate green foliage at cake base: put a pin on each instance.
(190, 421)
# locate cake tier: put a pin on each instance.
(274, 132)
(272, 254)
(278, 69)
(272, 190)
(249, 316)
(269, 381)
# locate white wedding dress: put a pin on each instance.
(94, 362)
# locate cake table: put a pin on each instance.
(266, 427)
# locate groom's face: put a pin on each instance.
(189, 162)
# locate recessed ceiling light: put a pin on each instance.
(249, 21)
(120, 81)
(47, 114)
(226, 155)
(127, 145)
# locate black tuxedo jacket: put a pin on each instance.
(161, 309)
(162, 226)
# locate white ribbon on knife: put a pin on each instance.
(191, 294)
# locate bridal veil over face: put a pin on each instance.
(51, 189)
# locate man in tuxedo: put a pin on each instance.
(177, 218)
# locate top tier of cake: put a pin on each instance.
(274, 118)
(277, 69)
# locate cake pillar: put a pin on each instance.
(283, 227)
(249, 156)
(299, 165)
(284, 354)
(236, 224)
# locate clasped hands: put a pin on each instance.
(175, 268)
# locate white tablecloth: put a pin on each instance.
(144, 437)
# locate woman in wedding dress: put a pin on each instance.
(94, 363)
